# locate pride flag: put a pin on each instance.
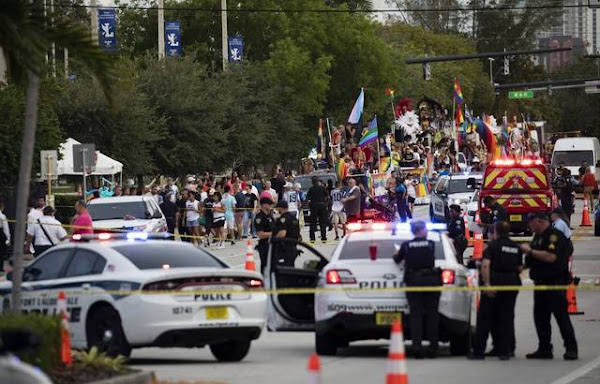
(369, 134)
(459, 116)
(341, 169)
(458, 96)
(357, 110)
(320, 140)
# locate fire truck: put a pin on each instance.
(521, 187)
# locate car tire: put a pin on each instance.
(104, 331)
(233, 350)
(460, 344)
(325, 344)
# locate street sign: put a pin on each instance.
(84, 154)
(592, 87)
(236, 49)
(520, 95)
(49, 165)
(173, 38)
(107, 25)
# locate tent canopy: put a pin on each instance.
(104, 166)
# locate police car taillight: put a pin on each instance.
(76, 237)
(339, 276)
(448, 276)
(254, 283)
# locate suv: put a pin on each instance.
(452, 189)
(130, 213)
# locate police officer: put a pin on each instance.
(419, 271)
(317, 198)
(287, 226)
(497, 212)
(264, 224)
(456, 229)
(546, 257)
(502, 263)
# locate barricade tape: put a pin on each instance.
(307, 291)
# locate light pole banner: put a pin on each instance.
(172, 38)
(107, 29)
(236, 49)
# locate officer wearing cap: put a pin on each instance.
(287, 226)
(456, 229)
(318, 200)
(419, 271)
(497, 212)
(502, 263)
(546, 257)
(264, 224)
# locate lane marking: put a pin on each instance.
(574, 375)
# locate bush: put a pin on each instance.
(65, 207)
(47, 328)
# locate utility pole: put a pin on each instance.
(161, 29)
(53, 43)
(224, 42)
(94, 15)
(66, 63)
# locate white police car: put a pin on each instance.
(349, 308)
(129, 213)
(115, 295)
(457, 188)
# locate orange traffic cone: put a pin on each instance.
(396, 366)
(467, 232)
(314, 369)
(65, 334)
(477, 218)
(250, 264)
(572, 297)
(585, 215)
(478, 246)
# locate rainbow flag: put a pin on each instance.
(320, 140)
(369, 134)
(341, 169)
(458, 96)
(460, 119)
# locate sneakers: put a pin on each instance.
(475, 356)
(504, 357)
(493, 352)
(337, 238)
(544, 355)
(571, 355)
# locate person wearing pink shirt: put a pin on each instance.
(82, 222)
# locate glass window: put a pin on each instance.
(458, 186)
(118, 211)
(49, 266)
(85, 262)
(355, 250)
(160, 255)
(441, 187)
(572, 158)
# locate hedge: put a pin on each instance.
(65, 207)
(47, 356)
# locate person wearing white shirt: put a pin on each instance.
(271, 191)
(34, 214)
(292, 197)
(559, 222)
(4, 237)
(47, 233)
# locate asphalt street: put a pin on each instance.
(282, 357)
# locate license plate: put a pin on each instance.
(217, 313)
(386, 318)
(515, 217)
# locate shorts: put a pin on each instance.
(239, 218)
(230, 223)
(338, 217)
(191, 223)
(218, 224)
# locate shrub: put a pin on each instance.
(65, 207)
(47, 328)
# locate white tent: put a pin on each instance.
(104, 165)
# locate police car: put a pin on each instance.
(130, 213)
(117, 295)
(349, 307)
(452, 189)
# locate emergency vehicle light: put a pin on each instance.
(137, 235)
(105, 236)
(430, 226)
(400, 227)
(512, 162)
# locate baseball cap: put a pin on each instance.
(282, 204)
(48, 210)
(455, 207)
(558, 211)
(211, 191)
(266, 200)
(538, 215)
(288, 185)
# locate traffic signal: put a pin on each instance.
(426, 71)
(506, 67)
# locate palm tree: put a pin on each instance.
(25, 36)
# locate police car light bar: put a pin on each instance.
(133, 236)
(401, 227)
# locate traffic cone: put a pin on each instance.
(467, 232)
(585, 215)
(250, 264)
(314, 369)
(572, 297)
(396, 366)
(477, 218)
(478, 246)
(65, 334)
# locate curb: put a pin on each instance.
(133, 378)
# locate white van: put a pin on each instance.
(573, 151)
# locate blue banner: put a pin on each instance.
(236, 49)
(107, 29)
(172, 39)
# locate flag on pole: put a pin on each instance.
(458, 96)
(357, 110)
(369, 134)
(320, 141)
(341, 169)
(459, 116)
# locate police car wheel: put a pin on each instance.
(460, 344)
(325, 344)
(233, 350)
(105, 332)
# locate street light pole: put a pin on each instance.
(224, 42)
(94, 15)
(161, 29)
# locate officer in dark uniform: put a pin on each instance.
(287, 226)
(547, 258)
(419, 271)
(456, 229)
(318, 198)
(502, 263)
(497, 213)
(264, 224)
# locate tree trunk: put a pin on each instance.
(26, 162)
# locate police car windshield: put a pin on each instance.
(118, 211)
(156, 256)
(359, 250)
(458, 186)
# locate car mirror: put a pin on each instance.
(157, 215)
(471, 183)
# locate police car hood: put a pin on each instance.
(152, 275)
(463, 197)
(121, 224)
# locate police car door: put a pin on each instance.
(292, 311)
(438, 199)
